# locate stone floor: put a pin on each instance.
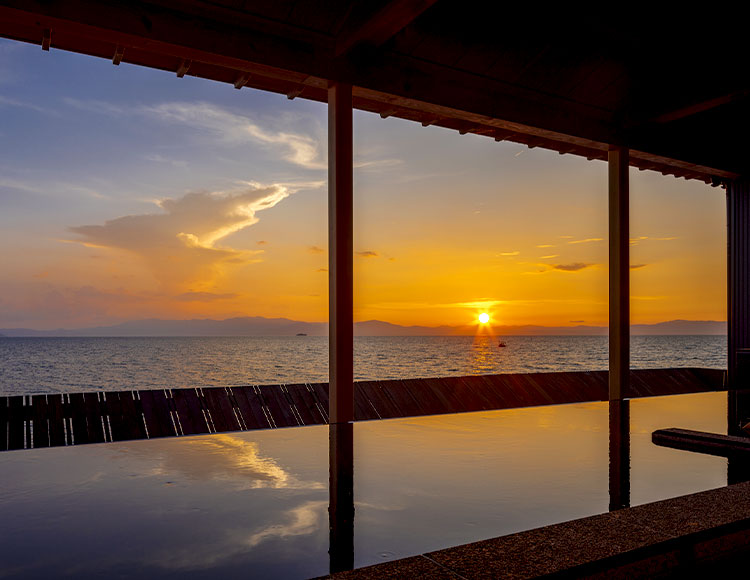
(707, 531)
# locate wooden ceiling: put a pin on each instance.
(673, 88)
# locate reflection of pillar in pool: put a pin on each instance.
(738, 413)
(619, 454)
(341, 494)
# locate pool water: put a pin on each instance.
(255, 504)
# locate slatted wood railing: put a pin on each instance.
(49, 420)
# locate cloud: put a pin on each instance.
(377, 164)
(261, 242)
(316, 250)
(636, 241)
(297, 148)
(156, 158)
(95, 106)
(322, 270)
(181, 245)
(367, 254)
(577, 321)
(304, 520)
(574, 267)
(510, 253)
(8, 102)
(203, 296)
(546, 246)
(549, 257)
(636, 266)
(586, 241)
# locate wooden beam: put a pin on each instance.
(619, 274)
(340, 254)
(381, 26)
(695, 108)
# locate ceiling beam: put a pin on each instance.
(381, 26)
(695, 108)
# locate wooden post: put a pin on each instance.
(340, 254)
(738, 304)
(619, 273)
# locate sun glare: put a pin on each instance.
(484, 318)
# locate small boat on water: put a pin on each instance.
(501, 344)
(301, 334)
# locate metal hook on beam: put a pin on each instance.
(119, 53)
(46, 39)
(183, 68)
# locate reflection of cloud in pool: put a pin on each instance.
(226, 457)
(234, 547)
(305, 519)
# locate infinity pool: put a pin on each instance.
(255, 504)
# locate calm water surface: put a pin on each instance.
(47, 365)
(254, 504)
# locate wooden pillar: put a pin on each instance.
(340, 254)
(619, 273)
(738, 303)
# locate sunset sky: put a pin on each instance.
(127, 193)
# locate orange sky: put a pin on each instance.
(180, 199)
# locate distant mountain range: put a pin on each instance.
(260, 326)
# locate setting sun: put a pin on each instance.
(484, 318)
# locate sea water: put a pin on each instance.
(49, 365)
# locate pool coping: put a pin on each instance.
(696, 531)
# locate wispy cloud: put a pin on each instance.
(297, 148)
(586, 241)
(182, 244)
(515, 253)
(305, 150)
(304, 520)
(637, 266)
(574, 267)
(367, 254)
(637, 240)
(546, 246)
(476, 304)
(549, 257)
(376, 164)
(156, 158)
(203, 296)
(95, 106)
(10, 102)
(315, 250)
